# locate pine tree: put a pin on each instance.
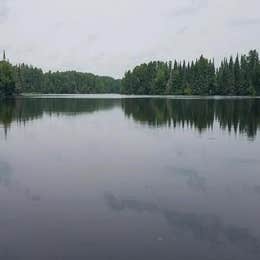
(237, 76)
(7, 81)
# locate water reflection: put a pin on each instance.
(8, 181)
(61, 154)
(257, 189)
(193, 179)
(5, 174)
(203, 227)
(239, 115)
(27, 109)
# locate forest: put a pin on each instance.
(7, 80)
(22, 78)
(33, 80)
(235, 76)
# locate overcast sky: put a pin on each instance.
(107, 37)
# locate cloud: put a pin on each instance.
(193, 7)
(4, 10)
(245, 22)
(59, 35)
(92, 38)
(182, 30)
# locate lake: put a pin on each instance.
(129, 178)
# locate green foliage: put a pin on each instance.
(32, 80)
(239, 76)
(7, 81)
(188, 91)
(233, 77)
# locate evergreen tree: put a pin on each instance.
(7, 81)
(237, 77)
(233, 77)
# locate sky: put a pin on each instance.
(109, 37)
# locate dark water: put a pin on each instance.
(111, 178)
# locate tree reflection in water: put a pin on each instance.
(239, 115)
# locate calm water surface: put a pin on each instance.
(129, 178)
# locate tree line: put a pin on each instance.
(30, 79)
(23, 78)
(7, 80)
(234, 76)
